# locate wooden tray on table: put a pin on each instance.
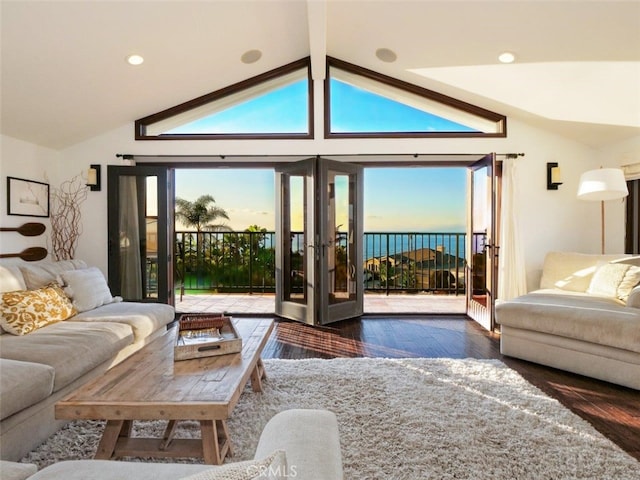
(205, 335)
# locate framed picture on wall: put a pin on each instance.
(27, 198)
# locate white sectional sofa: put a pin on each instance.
(584, 318)
(40, 367)
(297, 443)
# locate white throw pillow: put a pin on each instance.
(87, 288)
(614, 280)
(11, 279)
(43, 273)
(269, 468)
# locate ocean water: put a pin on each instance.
(380, 244)
(387, 243)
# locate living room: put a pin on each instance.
(74, 101)
(40, 155)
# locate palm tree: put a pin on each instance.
(201, 214)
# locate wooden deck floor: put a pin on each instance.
(613, 410)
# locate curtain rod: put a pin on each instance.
(129, 156)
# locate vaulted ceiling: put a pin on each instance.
(65, 79)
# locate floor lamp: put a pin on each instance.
(601, 185)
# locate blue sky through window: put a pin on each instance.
(355, 110)
(283, 110)
(419, 199)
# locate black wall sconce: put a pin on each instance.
(553, 176)
(93, 178)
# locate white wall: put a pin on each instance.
(24, 160)
(549, 219)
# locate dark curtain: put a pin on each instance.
(632, 237)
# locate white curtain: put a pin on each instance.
(130, 272)
(512, 280)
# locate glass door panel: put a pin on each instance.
(139, 202)
(482, 247)
(296, 271)
(318, 278)
(342, 277)
(295, 250)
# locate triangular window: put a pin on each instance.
(358, 103)
(363, 103)
(277, 104)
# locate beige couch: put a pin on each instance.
(584, 318)
(39, 368)
(300, 444)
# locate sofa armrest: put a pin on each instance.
(16, 471)
(634, 297)
(291, 430)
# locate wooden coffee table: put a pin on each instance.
(149, 385)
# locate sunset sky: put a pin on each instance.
(395, 199)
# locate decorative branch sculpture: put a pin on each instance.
(65, 215)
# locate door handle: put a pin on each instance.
(315, 250)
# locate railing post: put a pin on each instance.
(251, 263)
(387, 264)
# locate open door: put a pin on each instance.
(319, 276)
(141, 233)
(482, 247)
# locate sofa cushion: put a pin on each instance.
(43, 273)
(143, 318)
(87, 288)
(24, 311)
(590, 319)
(71, 348)
(272, 467)
(317, 460)
(11, 279)
(16, 471)
(110, 470)
(631, 260)
(614, 280)
(23, 384)
(566, 293)
(571, 271)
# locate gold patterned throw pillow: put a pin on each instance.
(24, 311)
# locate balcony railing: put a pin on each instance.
(244, 262)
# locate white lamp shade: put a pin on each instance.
(92, 176)
(602, 184)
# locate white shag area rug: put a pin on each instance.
(408, 419)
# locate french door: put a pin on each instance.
(141, 232)
(319, 275)
(483, 183)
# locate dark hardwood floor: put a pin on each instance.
(611, 409)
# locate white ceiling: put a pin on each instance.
(65, 79)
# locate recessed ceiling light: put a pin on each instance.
(251, 56)
(506, 57)
(386, 55)
(134, 59)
